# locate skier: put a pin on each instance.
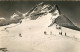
(20, 35)
(45, 33)
(65, 33)
(60, 33)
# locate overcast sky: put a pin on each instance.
(70, 9)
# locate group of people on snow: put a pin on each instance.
(57, 27)
(60, 33)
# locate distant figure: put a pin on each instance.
(20, 35)
(45, 33)
(65, 33)
(60, 33)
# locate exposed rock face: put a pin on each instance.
(40, 10)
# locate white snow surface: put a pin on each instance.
(33, 38)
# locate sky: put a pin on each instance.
(69, 8)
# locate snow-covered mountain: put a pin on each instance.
(40, 30)
(42, 9)
(16, 17)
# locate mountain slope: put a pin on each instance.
(62, 20)
(40, 10)
(43, 9)
(40, 34)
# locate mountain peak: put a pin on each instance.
(42, 3)
(41, 9)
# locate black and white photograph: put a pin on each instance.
(39, 26)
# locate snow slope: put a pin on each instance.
(29, 36)
(34, 40)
